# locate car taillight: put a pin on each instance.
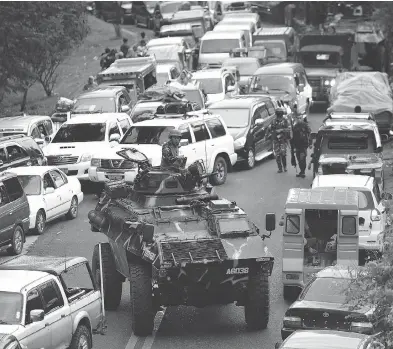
(362, 327)
(292, 321)
(375, 215)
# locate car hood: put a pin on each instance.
(74, 148)
(151, 151)
(318, 72)
(9, 329)
(327, 306)
(237, 132)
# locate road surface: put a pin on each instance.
(257, 191)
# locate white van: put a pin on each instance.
(216, 46)
(227, 26)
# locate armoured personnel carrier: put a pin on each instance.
(179, 244)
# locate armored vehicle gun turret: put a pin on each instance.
(178, 243)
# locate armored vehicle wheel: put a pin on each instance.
(112, 279)
(256, 309)
(142, 313)
(290, 293)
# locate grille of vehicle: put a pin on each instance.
(189, 251)
(326, 319)
(315, 83)
(62, 160)
(119, 164)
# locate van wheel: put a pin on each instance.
(73, 211)
(18, 241)
(40, 222)
(250, 163)
(221, 170)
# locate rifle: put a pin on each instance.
(293, 157)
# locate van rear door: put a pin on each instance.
(348, 238)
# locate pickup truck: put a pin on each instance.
(50, 302)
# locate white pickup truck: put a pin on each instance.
(50, 302)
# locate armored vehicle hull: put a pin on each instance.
(179, 247)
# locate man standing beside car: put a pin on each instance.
(301, 140)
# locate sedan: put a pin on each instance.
(327, 339)
(322, 305)
(50, 194)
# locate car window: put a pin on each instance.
(113, 129)
(35, 133)
(48, 181)
(57, 178)
(365, 200)
(3, 196)
(51, 296)
(15, 153)
(216, 128)
(14, 189)
(34, 302)
(48, 126)
(302, 78)
(260, 113)
(185, 132)
(41, 129)
(125, 125)
(270, 107)
(3, 155)
(126, 98)
(77, 280)
(200, 131)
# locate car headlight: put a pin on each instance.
(239, 143)
(95, 162)
(330, 82)
(292, 321)
(85, 157)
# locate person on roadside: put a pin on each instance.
(118, 20)
(279, 130)
(91, 84)
(119, 55)
(110, 58)
(124, 47)
(142, 49)
(104, 57)
(301, 140)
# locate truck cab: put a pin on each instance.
(320, 229)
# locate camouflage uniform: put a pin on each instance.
(170, 155)
(280, 132)
(300, 142)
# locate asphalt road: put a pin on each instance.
(257, 191)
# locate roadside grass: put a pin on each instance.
(73, 73)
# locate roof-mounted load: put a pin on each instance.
(344, 116)
(256, 52)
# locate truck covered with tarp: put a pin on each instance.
(368, 90)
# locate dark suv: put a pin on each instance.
(20, 150)
(14, 213)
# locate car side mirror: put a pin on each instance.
(125, 108)
(230, 88)
(49, 190)
(184, 142)
(301, 88)
(37, 315)
(114, 138)
(39, 141)
(270, 222)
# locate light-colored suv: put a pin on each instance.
(372, 212)
(204, 137)
(72, 147)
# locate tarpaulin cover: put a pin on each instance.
(162, 93)
(369, 90)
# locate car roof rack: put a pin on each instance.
(349, 116)
(188, 115)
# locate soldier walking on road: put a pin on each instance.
(301, 140)
(279, 129)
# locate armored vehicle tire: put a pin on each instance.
(142, 313)
(81, 338)
(257, 306)
(112, 279)
(290, 293)
(221, 169)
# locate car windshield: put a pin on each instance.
(272, 83)
(246, 68)
(211, 85)
(94, 105)
(234, 118)
(273, 49)
(69, 133)
(320, 59)
(194, 96)
(356, 142)
(330, 290)
(219, 45)
(142, 109)
(147, 135)
(11, 306)
(170, 7)
(165, 53)
(31, 184)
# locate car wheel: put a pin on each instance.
(81, 338)
(18, 240)
(250, 159)
(40, 222)
(73, 211)
(221, 171)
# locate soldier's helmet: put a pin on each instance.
(175, 133)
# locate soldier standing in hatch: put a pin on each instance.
(170, 151)
(301, 140)
(279, 129)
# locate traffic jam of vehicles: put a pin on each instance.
(157, 133)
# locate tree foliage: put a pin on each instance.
(35, 37)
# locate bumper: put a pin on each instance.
(80, 170)
(369, 242)
(100, 175)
